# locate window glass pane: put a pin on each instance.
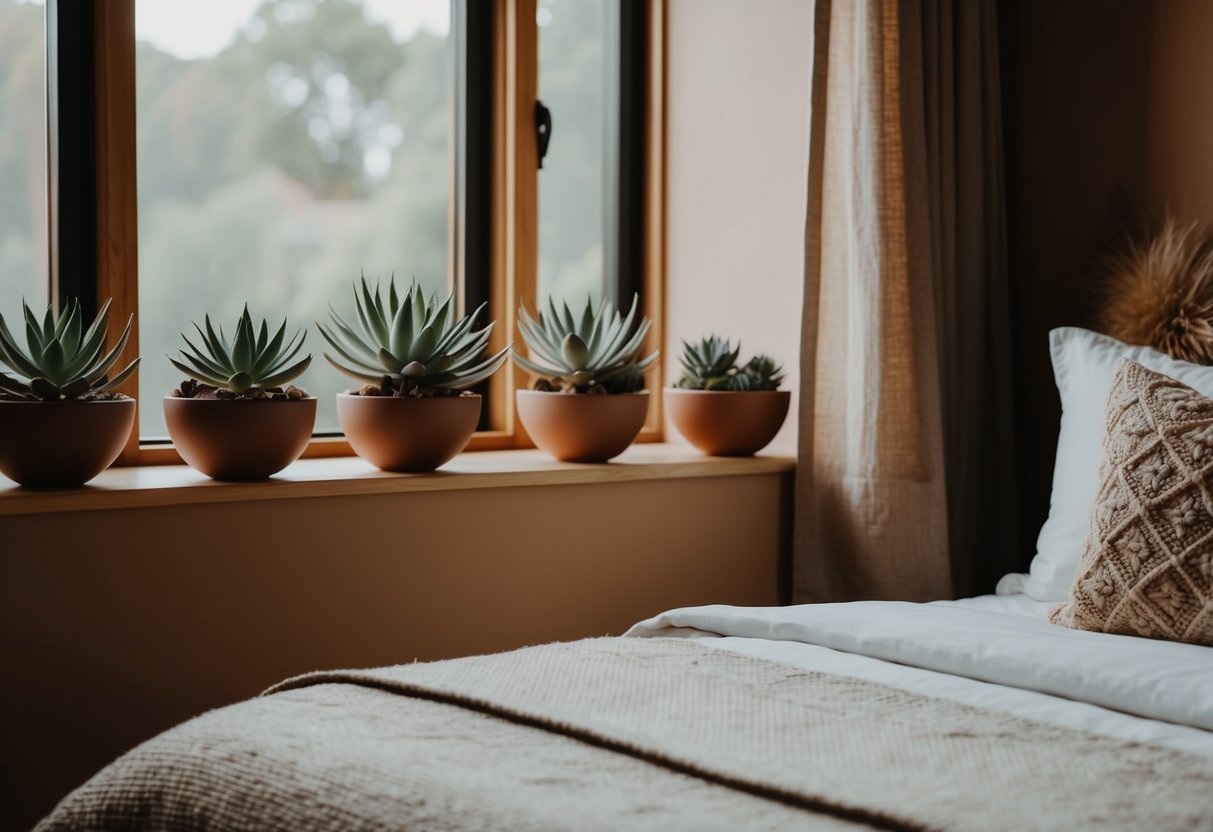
(23, 219)
(572, 184)
(285, 146)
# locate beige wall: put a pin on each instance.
(115, 625)
(737, 146)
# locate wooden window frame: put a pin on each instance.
(513, 221)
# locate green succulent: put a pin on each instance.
(712, 365)
(596, 352)
(62, 360)
(251, 361)
(709, 365)
(409, 345)
(762, 373)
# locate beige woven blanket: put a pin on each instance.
(629, 734)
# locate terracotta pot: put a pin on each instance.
(579, 427)
(64, 442)
(239, 439)
(407, 434)
(727, 423)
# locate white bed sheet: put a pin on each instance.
(994, 651)
(1018, 604)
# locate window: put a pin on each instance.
(283, 149)
(590, 59)
(24, 248)
(573, 182)
(270, 151)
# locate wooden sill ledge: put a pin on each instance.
(166, 485)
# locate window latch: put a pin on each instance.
(543, 129)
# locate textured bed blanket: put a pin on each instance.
(629, 734)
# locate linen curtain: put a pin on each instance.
(905, 487)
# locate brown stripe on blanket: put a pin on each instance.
(590, 736)
(638, 734)
(839, 746)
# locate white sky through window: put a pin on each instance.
(191, 35)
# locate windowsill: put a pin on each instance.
(166, 485)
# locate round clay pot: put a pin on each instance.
(408, 434)
(63, 442)
(579, 427)
(727, 423)
(240, 439)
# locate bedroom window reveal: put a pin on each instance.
(274, 151)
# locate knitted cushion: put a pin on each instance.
(1147, 569)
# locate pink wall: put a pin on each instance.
(737, 147)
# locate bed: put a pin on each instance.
(973, 714)
(1027, 709)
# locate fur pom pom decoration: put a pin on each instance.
(1160, 293)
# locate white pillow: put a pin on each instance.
(1084, 363)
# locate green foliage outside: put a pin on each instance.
(313, 148)
(22, 157)
(256, 182)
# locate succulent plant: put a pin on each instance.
(597, 352)
(252, 361)
(410, 345)
(712, 365)
(62, 359)
(762, 373)
(709, 365)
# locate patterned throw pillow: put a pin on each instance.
(1148, 565)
